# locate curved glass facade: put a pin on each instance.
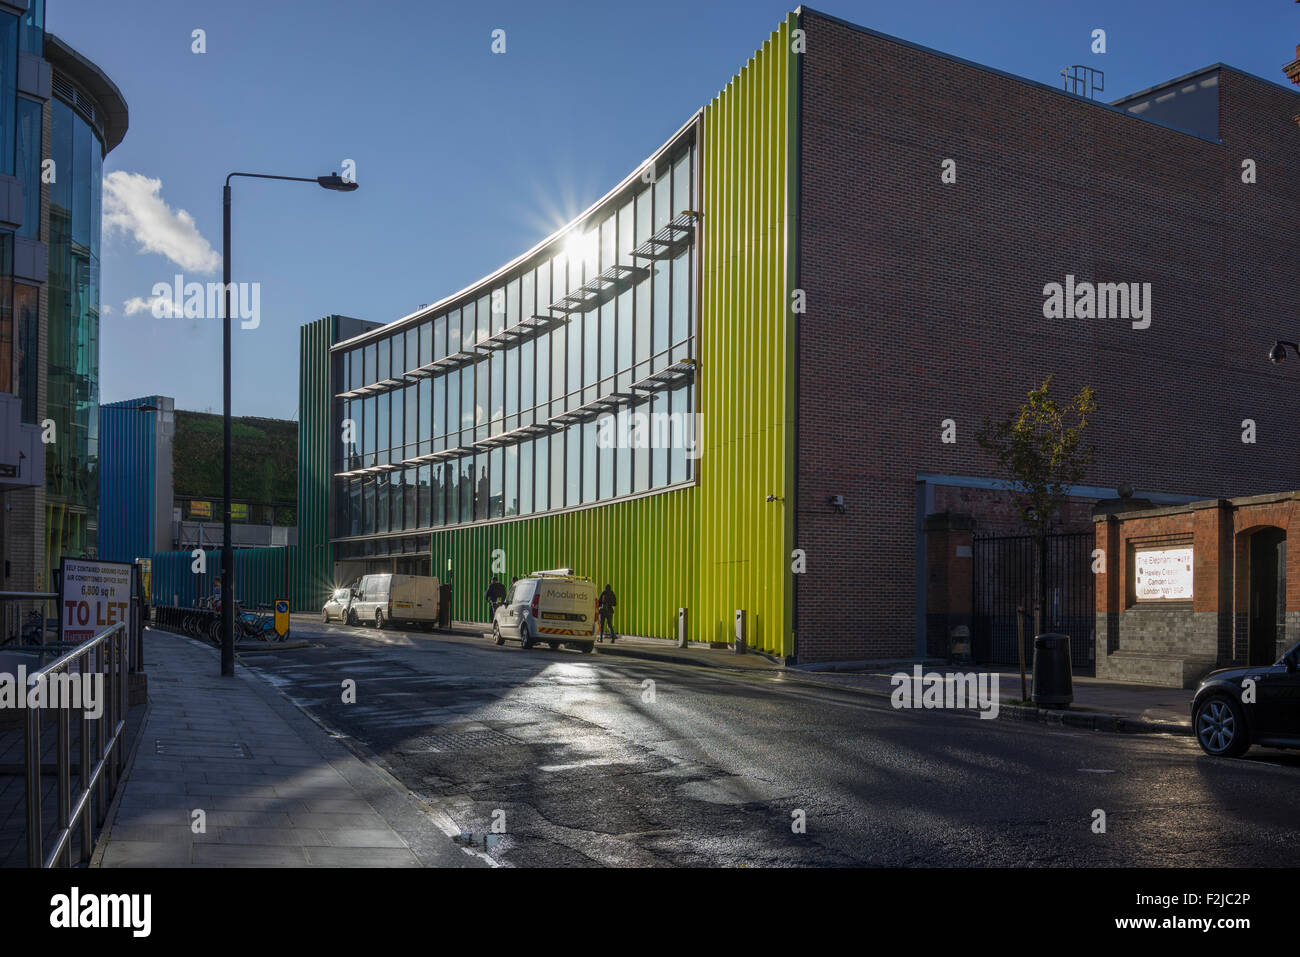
(564, 382)
(72, 392)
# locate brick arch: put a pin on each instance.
(1249, 522)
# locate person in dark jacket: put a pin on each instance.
(606, 604)
(495, 595)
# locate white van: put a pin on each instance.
(386, 599)
(554, 606)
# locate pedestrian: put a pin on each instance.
(606, 605)
(495, 595)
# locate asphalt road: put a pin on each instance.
(583, 763)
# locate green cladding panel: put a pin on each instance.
(313, 564)
(719, 545)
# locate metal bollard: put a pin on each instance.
(740, 645)
(681, 627)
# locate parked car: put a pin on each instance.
(554, 606)
(336, 608)
(386, 599)
(1236, 707)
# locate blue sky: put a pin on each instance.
(466, 158)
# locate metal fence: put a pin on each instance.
(102, 659)
(1005, 569)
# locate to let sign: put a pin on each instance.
(1163, 574)
(96, 596)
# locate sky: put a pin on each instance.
(464, 157)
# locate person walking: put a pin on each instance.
(495, 595)
(606, 604)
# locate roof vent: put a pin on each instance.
(1083, 81)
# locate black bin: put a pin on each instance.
(444, 606)
(1053, 683)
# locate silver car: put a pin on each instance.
(337, 606)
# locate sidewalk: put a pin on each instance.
(275, 788)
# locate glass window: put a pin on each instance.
(662, 309)
(511, 453)
(527, 307)
(26, 303)
(436, 506)
(371, 366)
(527, 392)
(542, 473)
(453, 332)
(412, 419)
(623, 457)
(398, 430)
(9, 96)
(682, 184)
(512, 304)
(663, 200)
(383, 370)
(544, 297)
(681, 303)
(433, 340)
(451, 426)
(498, 409)
(625, 229)
(604, 454)
(381, 430)
(644, 215)
(467, 409)
(525, 480)
(467, 488)
(511, 383)
(496, 477)
(29, 166)
(355, 375)
(479, 467)
(589, 459)
(423, 518)
(32, 36)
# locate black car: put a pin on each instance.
(1236, 707)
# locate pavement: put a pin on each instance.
(269, 786)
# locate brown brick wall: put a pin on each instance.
(925, 300)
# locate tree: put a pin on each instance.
(1042, 454)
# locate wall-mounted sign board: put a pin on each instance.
(1162, 574)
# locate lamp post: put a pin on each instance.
(332, 182)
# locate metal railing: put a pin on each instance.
(104, 655)
(20, 611)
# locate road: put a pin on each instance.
(585, 763)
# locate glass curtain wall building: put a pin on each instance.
(613, 400)
(60, 115)
(488, 408)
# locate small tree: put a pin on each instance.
(1042, 454)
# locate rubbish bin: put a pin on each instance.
(1053, 683)
(444, 606)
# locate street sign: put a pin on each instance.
(281, 617)
(95, 596)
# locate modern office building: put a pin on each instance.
(60, 115)
(160, 485)
(746, 377)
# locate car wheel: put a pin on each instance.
(1221, 727)
(325, 617)
(352, 618)
(588, 647)
(525, 639)
(379, 619)
(496, 633)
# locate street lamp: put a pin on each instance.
(1278, 352)
(332, 181)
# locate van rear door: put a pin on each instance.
(566, 607)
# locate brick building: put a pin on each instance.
(850, 245)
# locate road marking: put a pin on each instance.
(1096, 771)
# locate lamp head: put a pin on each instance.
(336, 182)
(1277, 353)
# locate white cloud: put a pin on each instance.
(160, 306)
(133, 203)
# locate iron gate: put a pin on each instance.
(1006, 575)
